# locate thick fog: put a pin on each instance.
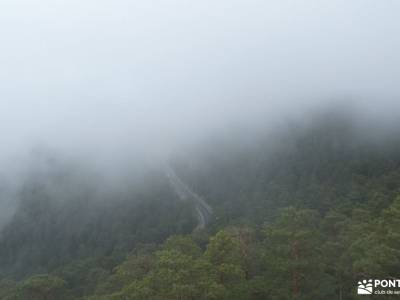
(115, 80)
(108, 78)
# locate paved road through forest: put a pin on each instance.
(203, 210)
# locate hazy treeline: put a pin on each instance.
(301, 214)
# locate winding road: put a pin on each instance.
(203, 210)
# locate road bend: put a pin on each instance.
(204, 211)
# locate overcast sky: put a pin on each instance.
(106, 75)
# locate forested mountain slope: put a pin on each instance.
(65, 213)
(303, 214)
(333, 162)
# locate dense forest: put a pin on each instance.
(301, 214)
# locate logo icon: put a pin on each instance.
(365, 287)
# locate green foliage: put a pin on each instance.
(48, 233)
(8, 290)
(305, 218)
(43, 287)
(182, 244)
(293, 256)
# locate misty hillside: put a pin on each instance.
(299, 214)
(199, 150)
(331, 163)
(65, 213)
